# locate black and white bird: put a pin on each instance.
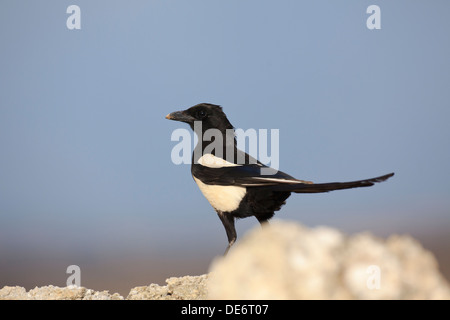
(236, 184)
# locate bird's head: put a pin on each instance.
(211, 116)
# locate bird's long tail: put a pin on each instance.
(330, 186)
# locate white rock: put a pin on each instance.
(285, 260)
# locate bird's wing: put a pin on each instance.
(249, 175)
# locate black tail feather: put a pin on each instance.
(331, 186)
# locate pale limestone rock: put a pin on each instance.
(56, 293)
(183, 288)
(285, 260)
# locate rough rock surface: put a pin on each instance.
(56, 293)
(285, 260)
(184, 288)
(288, 261)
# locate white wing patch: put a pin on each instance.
(274, 180)
(278, 180)
(211, 161)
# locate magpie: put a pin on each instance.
(236, 184)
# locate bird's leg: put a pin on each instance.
(228, 223)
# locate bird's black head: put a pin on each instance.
(211, 116)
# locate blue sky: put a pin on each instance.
(85, 170)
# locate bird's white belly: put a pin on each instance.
(222, 198)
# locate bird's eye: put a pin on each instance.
(201, 114)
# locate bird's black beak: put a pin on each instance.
(180, 116)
